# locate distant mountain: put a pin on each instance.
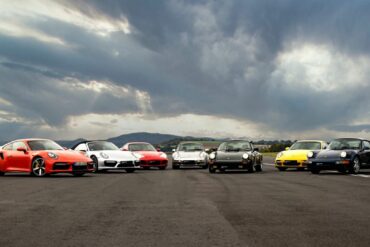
(65, 143)
(153, 138)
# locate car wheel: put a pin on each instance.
(315, 171)
(205, 167)
(38, 167)
(211, 170)
(258, 168)
(282, 169)
(146, 168)
(300, 169)
(2, 173)
(78, 174)
(175, 167)
(96, 163)
(355, 168)
(250, 169)
(130, 170)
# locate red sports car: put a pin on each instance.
(40, 157)
(149, 156)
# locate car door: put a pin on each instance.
(365, 153)
(20, 160)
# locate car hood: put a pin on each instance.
(147, 155)
(190, 155)
(294, 155)
(331, 154)
(116, 155)
(65, 155)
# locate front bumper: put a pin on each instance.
(291, 163)
(153, 163)
(340, 165)
(190, 163)
(119, 164)
(231, 165)
(70, 167)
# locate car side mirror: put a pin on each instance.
(83, 151)
(173, 150)
(124, 149)
(158, 149)
(65, 148)
(287, 148)
(256, 149)
(207, 150)
(20, 149)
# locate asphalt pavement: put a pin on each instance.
(186, 208)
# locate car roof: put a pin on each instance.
(87, 141)
(311, 141)
(137, 143)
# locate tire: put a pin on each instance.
(211, 170)
(315, 171)
(146, 168)
(250, 169)
(355, 166)
(205, 167)
(175, 167)
(130, 170)
(300, 169)
(96, 164)
(78, 174)
(2, 173)
(282, 169)
(258, 168)
(38, 168)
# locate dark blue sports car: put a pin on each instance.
(344, 154)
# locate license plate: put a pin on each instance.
(80, 164)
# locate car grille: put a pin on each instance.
(291, 163)
(79, 166)
(60, 166)
(126, 164)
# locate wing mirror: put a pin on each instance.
(158, 149)
(65, 148)
(20, 149)
(124, 149)
(287, 148)
(256, 149)
(173, 150)
(83, 151)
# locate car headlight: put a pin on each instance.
(212, 156)
(104, 155)
(279, 155)
(245, 156)
(52, 155)
(310, 154)
(343, 154)
(163, 155)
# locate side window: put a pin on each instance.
(81, 147)
(8, 147)
(17, 145)
(366, 145)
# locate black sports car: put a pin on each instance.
(344, 154)
(235, 155)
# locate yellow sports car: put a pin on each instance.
(296, 155)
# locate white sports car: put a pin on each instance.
(107, 156)
(189, 154)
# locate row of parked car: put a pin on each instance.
(41, 157)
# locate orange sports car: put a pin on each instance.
(40, 157)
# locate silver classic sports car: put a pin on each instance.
(189, 154)
(235, 155)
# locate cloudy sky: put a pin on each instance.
(259, 69)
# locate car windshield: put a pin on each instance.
(102, 145)
(190, 147)
(141, 147)
(306, 146)
(235, 146)
(341, 144)
(38, 145)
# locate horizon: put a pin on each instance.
(258, 70)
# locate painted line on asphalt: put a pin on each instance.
(268, 164)
(360, 175)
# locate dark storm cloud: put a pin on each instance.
(206, 57)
